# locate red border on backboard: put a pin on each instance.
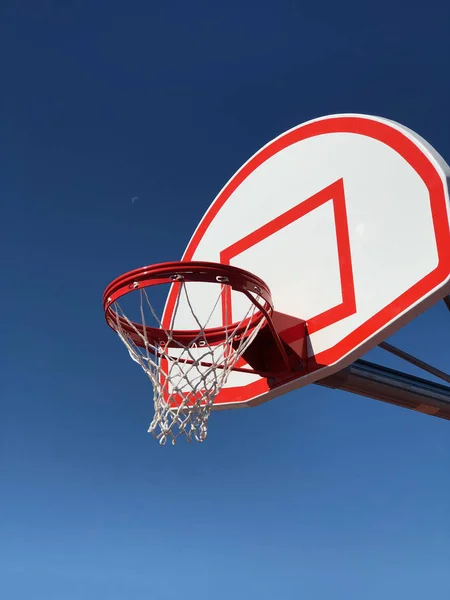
(414, 156)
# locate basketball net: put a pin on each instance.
(186, 378)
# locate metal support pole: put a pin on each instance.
(415, 361)
(391, 386)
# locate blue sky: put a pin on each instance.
(319, 495)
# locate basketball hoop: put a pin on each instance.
(217, 341)
(188, 367)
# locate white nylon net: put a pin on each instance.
(187, 378)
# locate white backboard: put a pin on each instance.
(346, 218)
